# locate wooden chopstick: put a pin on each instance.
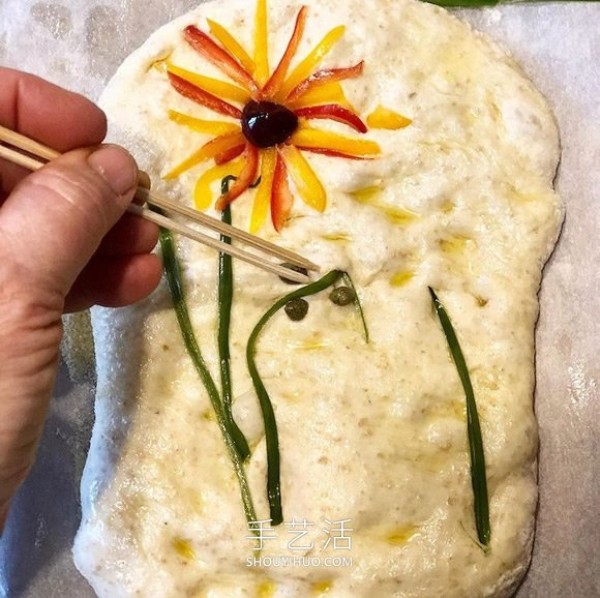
(34, 148)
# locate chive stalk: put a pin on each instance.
(478, 472)
(357, 305)
(270, 423)
(175, 281)
(225, 300)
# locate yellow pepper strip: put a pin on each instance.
(330, 93)
(307, 183)
(307, 66)
(325, 141)
(203, 196)
(384, 118)
(232, 45)
(261, 43)
(262, 200)
(221, 89)
(211, 127)
(206, 152)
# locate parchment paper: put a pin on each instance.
(79, 44)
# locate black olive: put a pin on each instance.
(342, 296)
(295, 268)
(266, 124)
(296, 309)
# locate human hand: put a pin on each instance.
(65, 244)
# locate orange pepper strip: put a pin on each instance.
(229, 155)
(205, 46)
(276, 80)
(305, 68)
(246, 178)
(211, 127)
(262, 200)
(334, 112)
(329, 93)
(282, 199)
(206, 152)
(261, 42)
(217, 88)
(194, 93)
(203, 196)
(315, 140)
(324, 77)
(307, 183)
(232, 45)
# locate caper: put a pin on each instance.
(296, 309)
(295, 268)
(342, 296)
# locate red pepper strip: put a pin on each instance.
(281, 196)
(325, 76)
(333, 153)
(204, 45)
(189, 90)
(334, 112)
(229, 155)
(246, 178)
(273, 85)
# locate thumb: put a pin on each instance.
(54, 220)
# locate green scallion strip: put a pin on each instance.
(175, 281)
(357, 304)
(225, 301)
(478, 473)
(271, 434)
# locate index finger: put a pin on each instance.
(47, 113)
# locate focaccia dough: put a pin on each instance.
(371, 433)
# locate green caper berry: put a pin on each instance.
(342, 296)
(295, 268)
(296, 309)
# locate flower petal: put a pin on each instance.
(324, 77)
(231, 45)
(329, 93)
(307, 183)
(246, 178)
(334, 112)
(211, 127)
(282, 199)
(203, 196)
(262, 199)
(276, 80)
(261, 42)
(315, 140)
(206, 152)
(230, 154)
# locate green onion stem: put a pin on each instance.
(478, 472)
(225, 300)
(271, 434)
(175, 281)
(357, 305)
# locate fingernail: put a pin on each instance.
(116, 166)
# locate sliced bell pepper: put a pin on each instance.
(329, 93)
(232, 45)
(308, 185)
(211, 127)
(325, 141)
(262, 200)
(276, 80)
(229, 155)
(206, 152)
(306, 67)
(205, 46)
(203, 195)
(282, 199)
(221, 89)
(323, 77)
(246, 178)
(333, 112)
(384, 118)
(261, 42)
(194, 93)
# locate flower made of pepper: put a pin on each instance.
(273, 110)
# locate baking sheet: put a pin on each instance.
(79, 44)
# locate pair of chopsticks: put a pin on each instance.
(31, 154)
